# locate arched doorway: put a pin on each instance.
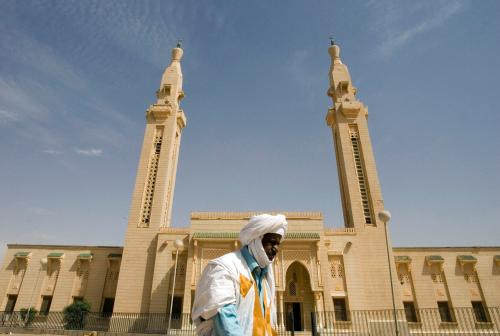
(298, 298)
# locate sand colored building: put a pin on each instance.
(319, 269)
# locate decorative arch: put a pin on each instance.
(304, 257)
(301, 280)
(298, 295)
(301, 262)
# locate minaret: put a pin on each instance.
(153, 193)
(361, 195)
(358, 179)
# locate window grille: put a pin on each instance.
(151, 178)
(363, 185)
(471, 276)
(336, 268)
(404, 278)
(181, 265)
(292, 288)
(333, 270)
(438, 277)
(340, 270)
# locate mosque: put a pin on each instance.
(318, 269)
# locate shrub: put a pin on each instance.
(74, 315)
(30, 316)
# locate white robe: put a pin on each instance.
(219, 285)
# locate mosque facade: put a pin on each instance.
(318, 269)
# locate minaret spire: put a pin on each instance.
(334, 51)
(170, 91)
(341, 88)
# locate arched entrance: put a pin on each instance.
(298, 298)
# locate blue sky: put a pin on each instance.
(77, 76)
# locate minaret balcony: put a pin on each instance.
(350, 109)
(181, 119)
(330, 117)
(158, 112)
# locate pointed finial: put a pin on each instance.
(177, 51)
(334, 51)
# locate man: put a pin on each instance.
(236, 295)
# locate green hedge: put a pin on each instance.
(74, 315)
(30, 316)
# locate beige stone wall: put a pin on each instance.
(461, 291)
(35, 280)
(164, 267)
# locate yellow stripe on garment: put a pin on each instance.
(245, 285)
(261, 324)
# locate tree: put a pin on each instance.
(74, 315)
(28, 315)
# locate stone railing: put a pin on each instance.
(340, 231)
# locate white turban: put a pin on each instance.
(259, 225)
(256, 228)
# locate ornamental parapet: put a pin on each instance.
(208, 235)
(246, 215)
(172, 230)
(340, 231)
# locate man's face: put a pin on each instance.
(271, 244)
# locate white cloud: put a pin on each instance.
(15, 100)
(396, 23)
(40, 211)
(89, 152)
(32, 112)
(6, 116)
(135, 27)
(52, 152)
(146, 30)
(41, 57)
(40, 106)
